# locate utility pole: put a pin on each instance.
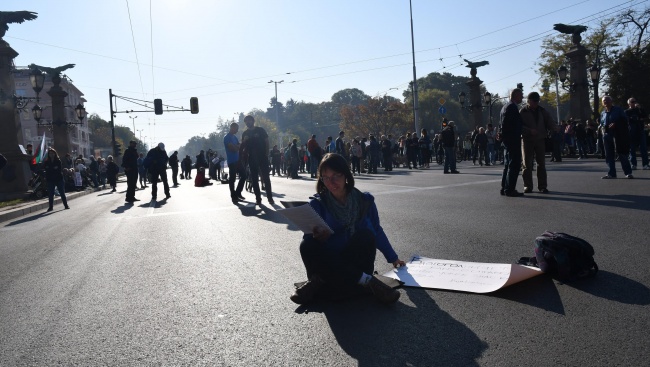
(415, 84)
(277, 115)
(110, 97)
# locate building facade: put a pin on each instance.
(80, 142)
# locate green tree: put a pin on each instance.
(379, 115)
(350, 96)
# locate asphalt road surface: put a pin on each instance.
(197, 281)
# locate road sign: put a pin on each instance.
(442, 101)
(442, 110)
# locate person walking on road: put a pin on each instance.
(235, 166)
(511, 127)
(111, 172)
(130, 165)
(54, 177)
(156, 164)
(616, 138)
(344, 261)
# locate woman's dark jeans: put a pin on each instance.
(343, 269)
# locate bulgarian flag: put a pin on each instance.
(40, 152)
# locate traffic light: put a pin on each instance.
(117, 150)
(157, 106)
(444, 123)
(194, 105)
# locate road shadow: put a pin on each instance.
(122, 208)
(614, 287)
(400, 334)
(32, 217)
(623, 201)
(540, 292)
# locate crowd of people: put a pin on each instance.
(520, 143)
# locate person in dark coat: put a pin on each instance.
(54, 177)
(616, 138)
(156, 163)
(511, 129)
(387, 153)
(111, 172)
(130, 165)
(173, 163)
(294, 157)
(374, 150)
(200, 160)
(186, 165)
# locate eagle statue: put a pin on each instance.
(474, 65)
(9, 17)
(573, 30)
(52, 72)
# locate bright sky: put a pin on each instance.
(226, 51)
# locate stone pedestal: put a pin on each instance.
(59, 126)
(475, 100)
(580, 108)
(16, 174)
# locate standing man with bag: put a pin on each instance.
(130, 165)
(537, 123)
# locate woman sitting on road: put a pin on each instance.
(344, 260)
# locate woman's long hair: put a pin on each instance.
(338, 164)
(55, 153)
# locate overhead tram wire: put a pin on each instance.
(488, 52)
(135, 48)
(312, 69)
(336, 65)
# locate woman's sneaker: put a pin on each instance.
(382, 292)
(307, 292)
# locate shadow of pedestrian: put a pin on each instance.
(621, 201)
(401, 334)
(30, 218)
(121, 209)
(614, 287)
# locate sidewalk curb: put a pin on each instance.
(38, 206)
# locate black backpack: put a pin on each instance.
(563, 256)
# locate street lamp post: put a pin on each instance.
(487, 99)
(415, 83)
(133, 122)
(594, 73)
(277, 115)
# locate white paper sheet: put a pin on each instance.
(461, 275)
(304, 217)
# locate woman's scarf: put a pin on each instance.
(346, 214)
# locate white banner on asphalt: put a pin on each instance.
(461, 275)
